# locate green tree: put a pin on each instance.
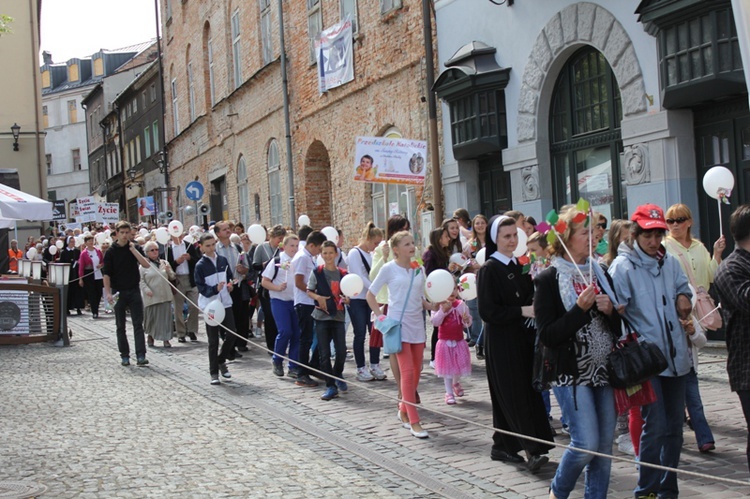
(5, 24)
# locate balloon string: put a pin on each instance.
(721, 225)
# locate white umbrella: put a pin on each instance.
(17, 205)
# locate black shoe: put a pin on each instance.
(237, 355)
(278, 369)
(472, 343)
(480, 353)
(182, 340)
(506, 457)
(250, 334)
(95, 316)
(536, 462)
(304, 380)
(192, 337)
(243, 349)
(78, 311)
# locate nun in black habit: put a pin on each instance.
(505, 304)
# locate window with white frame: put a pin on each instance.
(237, 69)
(137, 149)
(76, 153)
(175, 112)
(314, 25)
(265, 30)
(389, 5)
(155, 135)
(274, 184)
(211, 88)
(349, 7)
(243, 192)
(147, 140)
(191, 91)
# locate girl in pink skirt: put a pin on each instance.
(452, 358)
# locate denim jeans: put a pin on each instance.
(287, 336)
(476, 320)
(216, 356)
(130, 298)
(744, 396)
(327, 331)
(591, 416)
(307, 333)
(694, 405)
(359, 311)
(661, 440)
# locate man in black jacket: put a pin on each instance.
(122, 275)
(182, 257)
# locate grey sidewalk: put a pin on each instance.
(79, 423)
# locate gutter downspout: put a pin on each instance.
(287, 123)
(437, 176)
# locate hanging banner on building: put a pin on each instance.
(109, 213)
(390, 161)
(87, 209)
(59, 210)
(334, 55)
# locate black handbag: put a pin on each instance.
(634, 361)
(545, 366)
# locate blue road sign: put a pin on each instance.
(194, 190)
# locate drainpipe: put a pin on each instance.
(437, 180)
(287, 123)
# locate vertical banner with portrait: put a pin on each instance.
(334, 56)
(390, 161)
(146, 207)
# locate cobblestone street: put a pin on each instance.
(77, 422)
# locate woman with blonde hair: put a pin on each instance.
(360, 263)
(157, 296)
(619, 232)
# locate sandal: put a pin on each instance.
(449, 399)
(458, 390)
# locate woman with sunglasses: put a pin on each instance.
(702, 268)
(157, 296)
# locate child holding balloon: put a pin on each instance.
(452, 358)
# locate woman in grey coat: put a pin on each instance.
(157, 296)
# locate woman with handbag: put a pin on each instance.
(654, 290)
(505, 297)
(700, 269)
(157, 296)
(405, 282)
(90, 278)
(575, 317)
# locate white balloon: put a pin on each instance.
(143, 232)
(175, 228)
(194, 229)
(257, 233)
(100, 237)
(459, 259)
(481, 256)
(467, 286)
(53, 250)
(303, 220)
(522, 239)
(189, 239)
(214, 313)
(162, 235)
(31, 253)
(108, 232)
(352, 285)
(716, 179)
(331, 234)
(235, 239)
(59, 244)
(79, 240)
(439, 285)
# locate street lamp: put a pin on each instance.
(131, 173)
(36, 270)
(161, 162)
(22, 268)
(59, 274)
(16, 131)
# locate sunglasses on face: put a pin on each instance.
(602, 225)
(680, 220)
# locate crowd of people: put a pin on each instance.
(579, 294)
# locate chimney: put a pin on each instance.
(47, 57)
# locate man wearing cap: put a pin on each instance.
(655, 292)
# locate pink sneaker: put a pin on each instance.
(458, 390)
(449, 399)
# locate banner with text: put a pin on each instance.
(87, 209)
(334, 54)
(390, 161)
(109, 213)
(59, 210)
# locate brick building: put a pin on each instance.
(225, 116)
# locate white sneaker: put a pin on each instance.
(625, 444)
(258, 332)
(377, 372)
(432, 364)
(363, 374)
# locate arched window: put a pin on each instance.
(585, 135)
(274, 184)
(243, 194)
(191, 84)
